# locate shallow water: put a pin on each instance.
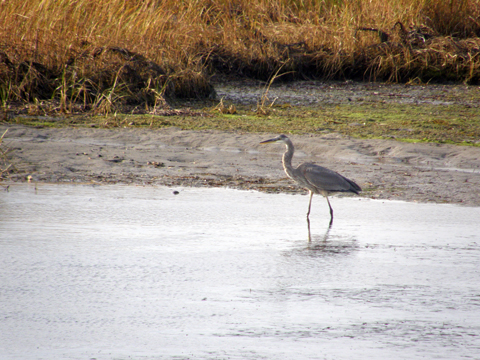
(126, 272)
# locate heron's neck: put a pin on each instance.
(287, 159)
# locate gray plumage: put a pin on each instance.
(316, 179)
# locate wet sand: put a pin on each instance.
(385, 169)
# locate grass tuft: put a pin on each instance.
(6, 167)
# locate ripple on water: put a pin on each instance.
(127, 271)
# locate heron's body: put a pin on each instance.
(314, 178)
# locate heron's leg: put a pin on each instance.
(309, 233)
(331, 210)
(309, 204)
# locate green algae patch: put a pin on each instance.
(453, 124)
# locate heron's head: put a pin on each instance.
(282, 138)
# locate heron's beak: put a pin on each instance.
(270, 140)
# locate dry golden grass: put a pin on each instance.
(6, 168)
(112, 55)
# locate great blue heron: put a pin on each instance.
(314, 178)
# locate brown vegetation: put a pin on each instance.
(6, 168)
(107, 56)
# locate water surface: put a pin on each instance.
(130, 272)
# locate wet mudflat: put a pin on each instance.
(132, 272)
(311, 93)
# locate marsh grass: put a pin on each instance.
(6, 167)
(454, 124)
(132, 56)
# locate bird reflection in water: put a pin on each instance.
(336, 244)
(323, 238)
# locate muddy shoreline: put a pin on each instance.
(316, 93)
(385, 169)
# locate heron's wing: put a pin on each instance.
(327, 180)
